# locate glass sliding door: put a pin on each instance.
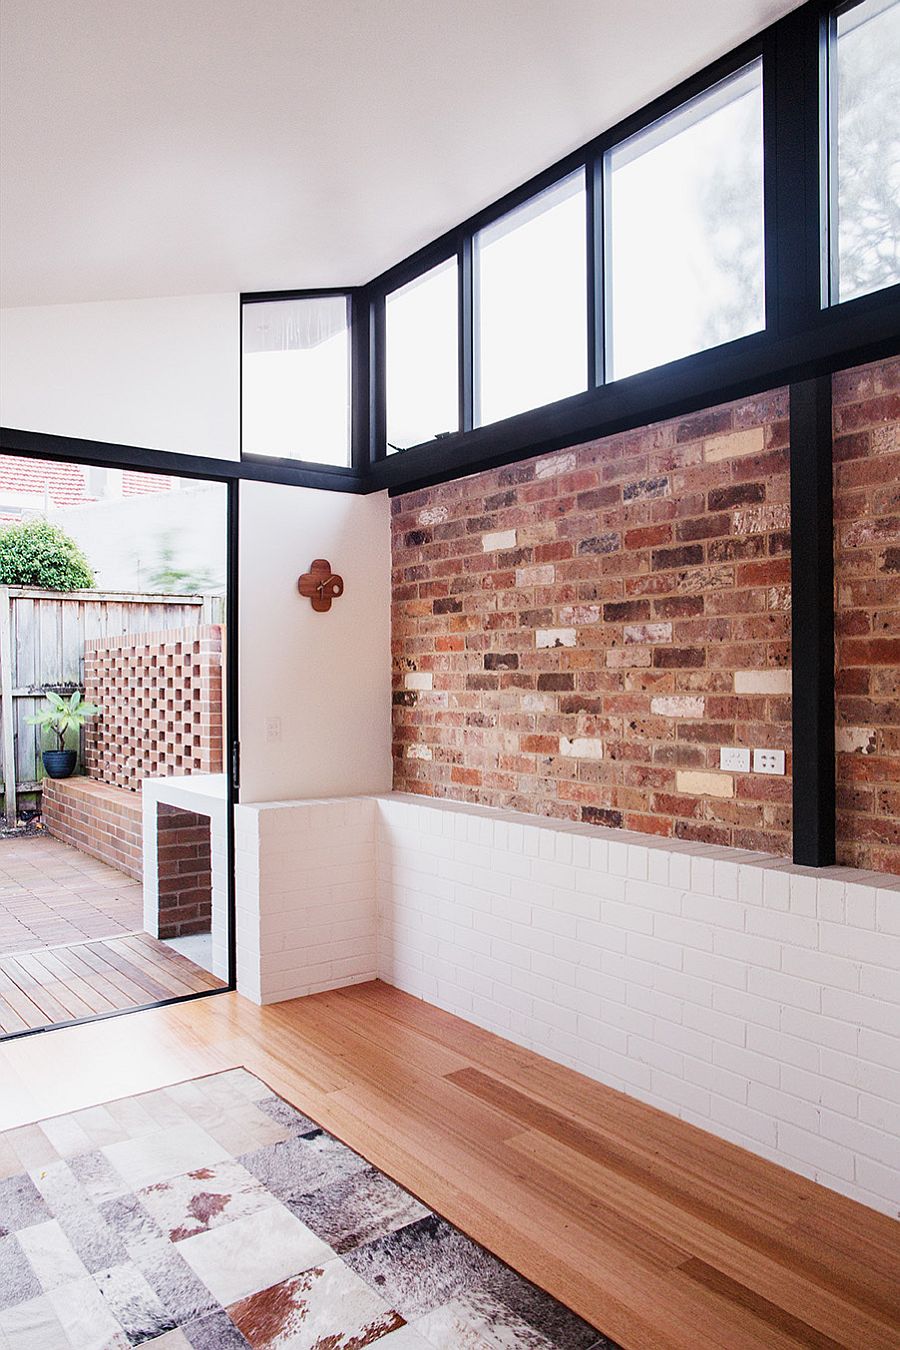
(115, 879)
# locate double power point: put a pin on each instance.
(736, 759)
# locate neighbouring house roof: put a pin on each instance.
(64, 483)
(140, 484)
(25, 482)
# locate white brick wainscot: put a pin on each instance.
(304, 896)
(753, 998)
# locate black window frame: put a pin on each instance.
(358, 413)
(802, 338)
(607, 173)
(805, 334)
(491, 217)
(829, 182)
(404, 274)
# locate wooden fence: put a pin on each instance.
(42, 637)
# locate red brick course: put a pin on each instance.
(96, 818)
(576, 635)
(184, 872)
(867, 613)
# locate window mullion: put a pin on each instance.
(596, 279)
(793, 214)
(467, 319)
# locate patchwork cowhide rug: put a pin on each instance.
(213, 1215)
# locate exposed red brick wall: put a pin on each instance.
(161, 701)
(184, 871)
(867, 605)
(577, 635)
(96, 818)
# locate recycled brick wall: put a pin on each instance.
(184, 872)
(867, 605)
(577, 635)
(161, 700)
(96, 818)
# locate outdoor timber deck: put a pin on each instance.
(56, 984)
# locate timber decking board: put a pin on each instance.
(102, 986)
(156, 954)
(58, 984)
(66, 973)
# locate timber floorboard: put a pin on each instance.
(661, 1235)
(50, 985)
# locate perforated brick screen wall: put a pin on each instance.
(578, 634)
(161, 700)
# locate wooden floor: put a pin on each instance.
(56, 984)
(659, 1234)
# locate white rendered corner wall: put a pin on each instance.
(315, 689)
(160, 373)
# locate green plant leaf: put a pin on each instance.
(36, 553)
(63, 715)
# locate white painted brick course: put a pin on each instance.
(305, 896)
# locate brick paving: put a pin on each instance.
(52, 894)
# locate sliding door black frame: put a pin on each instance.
(131, 458)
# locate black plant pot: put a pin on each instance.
(59, 763)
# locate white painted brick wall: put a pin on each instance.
(756, 999)
(304, 896)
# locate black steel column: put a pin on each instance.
(812, 590)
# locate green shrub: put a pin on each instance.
(36, 553)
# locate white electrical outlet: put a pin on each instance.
(735, 758)
(273, 729)
(768, 761)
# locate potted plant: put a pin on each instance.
(62, 716)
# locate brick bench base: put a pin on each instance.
(184, 850)
(96, 818)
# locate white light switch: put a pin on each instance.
(768, 761)
(735, 758)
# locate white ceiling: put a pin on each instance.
(172, 147)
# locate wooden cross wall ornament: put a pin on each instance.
(320, 585)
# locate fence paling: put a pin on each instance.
(42, 637)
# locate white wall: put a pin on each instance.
(325, 676)
(160, 373)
